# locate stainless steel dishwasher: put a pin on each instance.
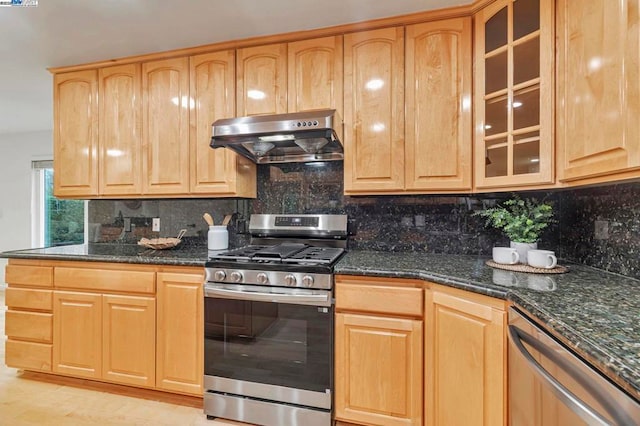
(549, 385)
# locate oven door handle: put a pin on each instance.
(255, 296)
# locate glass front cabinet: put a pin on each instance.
(514, 94)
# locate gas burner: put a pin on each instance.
(290, 253)
(285, 250)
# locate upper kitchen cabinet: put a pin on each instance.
(215, 171)
(262, 80)
(514, 94)
(75, 134)
(598, 90)
(438, 106)
(315, 77)
(374, 111)
(120, 116)
(165, 130)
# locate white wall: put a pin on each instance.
(17, 150)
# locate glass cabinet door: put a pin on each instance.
(514, 102)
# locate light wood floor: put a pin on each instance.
(36, 399)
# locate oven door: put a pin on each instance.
(270, 343)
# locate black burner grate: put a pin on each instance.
(290, 253)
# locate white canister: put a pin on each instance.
(218, 238)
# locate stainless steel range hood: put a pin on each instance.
(282, 138)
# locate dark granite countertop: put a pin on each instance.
(182, 255)
(595, 313)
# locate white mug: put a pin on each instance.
(505, 255)
(542, 259)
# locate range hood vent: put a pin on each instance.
(298, 137)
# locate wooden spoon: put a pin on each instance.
(226, 220)
(207, 218)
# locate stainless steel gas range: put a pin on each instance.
(269, 322)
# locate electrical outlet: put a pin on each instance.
(155, 224)
(601, 231)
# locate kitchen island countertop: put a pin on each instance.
(595, 313)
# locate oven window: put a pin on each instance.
(271, 343)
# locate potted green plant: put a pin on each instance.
(521, 220)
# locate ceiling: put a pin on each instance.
(69, 32)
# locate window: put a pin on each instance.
(55, 222)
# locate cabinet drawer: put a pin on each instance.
(39, 276)
(105, 279)
(28, 355)
(29, 325)
(24, 298)
(379, 299)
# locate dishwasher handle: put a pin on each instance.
(583, 410)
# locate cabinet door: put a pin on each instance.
(378, 370)
(180, 336)
(465, 361)
(165, 126)
(262, 80)
(374, 111)
(215, 171)
(129, 344)
(75, 134)
(438, 107)
(598, 88)
(77, 334)
(120, 155)
(514, 47)
(315, 74)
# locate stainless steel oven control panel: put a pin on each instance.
(270, 278)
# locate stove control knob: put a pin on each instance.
(262, 278)
(220, 275)
(236, 276)
(307, 281)
(290, 280)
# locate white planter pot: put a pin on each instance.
(523, 248)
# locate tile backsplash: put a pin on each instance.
(429, 223)
(107, 218)
(616, 208)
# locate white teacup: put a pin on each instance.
(505, 255)
(542, 259)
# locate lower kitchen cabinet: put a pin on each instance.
(109, 337)
(180, 336)
(128, 339)
(465, 362)
(77, 334)
(378, 352)
(378, 369)
(29, 318)
(412, 352)
(137, 325)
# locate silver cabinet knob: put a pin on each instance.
(307, 281)
(236, 276)
(262, 278)
(220, 275)
(290, 280)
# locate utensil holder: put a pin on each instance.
(218, 238)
